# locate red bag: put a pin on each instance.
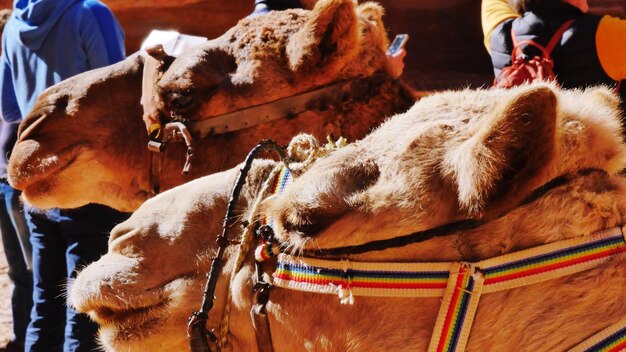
(539, 68)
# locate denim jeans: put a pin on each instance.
(18, 252)
(63, 243)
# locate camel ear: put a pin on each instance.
(372, 12)
(509, 153)
(328, 39)
(245, 74)
(217, 65)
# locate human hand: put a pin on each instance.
(395, 63)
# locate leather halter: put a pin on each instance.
(289, 107)
(177, 130)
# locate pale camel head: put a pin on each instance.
(85, 142)
(453, 155)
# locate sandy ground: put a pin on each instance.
(5, 302)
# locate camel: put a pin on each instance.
(85, 142)
(492, 156)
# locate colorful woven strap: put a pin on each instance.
(522, 268)
(551, 261)
(429, 279)
(266, 250)
(457, 310)
(611, 339)
(284, 178)
(461, 284)
(361, 279)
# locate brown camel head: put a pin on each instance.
(82, 135)
(84, 142)
(453, 156)
(289, 51)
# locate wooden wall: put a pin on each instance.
(445, 49)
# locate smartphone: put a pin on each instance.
(398, 43)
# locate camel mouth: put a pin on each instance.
(135, 309)
(130, 317)
(30, 169)
(126, 314)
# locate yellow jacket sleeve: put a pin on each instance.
(611, 46)
(492, 13)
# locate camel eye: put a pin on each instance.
(309, 229)
(180, 100)
(304, 227)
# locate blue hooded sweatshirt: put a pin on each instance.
(47, 41)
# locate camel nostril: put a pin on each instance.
(105, 313)
(46, 105)
(29, 125)
(117, 232)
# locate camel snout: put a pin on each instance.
(105, 285)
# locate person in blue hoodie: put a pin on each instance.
(15, 238)
(43, 43)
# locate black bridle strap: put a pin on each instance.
(443, 230)
(396, 242)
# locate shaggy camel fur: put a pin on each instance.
(85, 140)
(452, 156)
